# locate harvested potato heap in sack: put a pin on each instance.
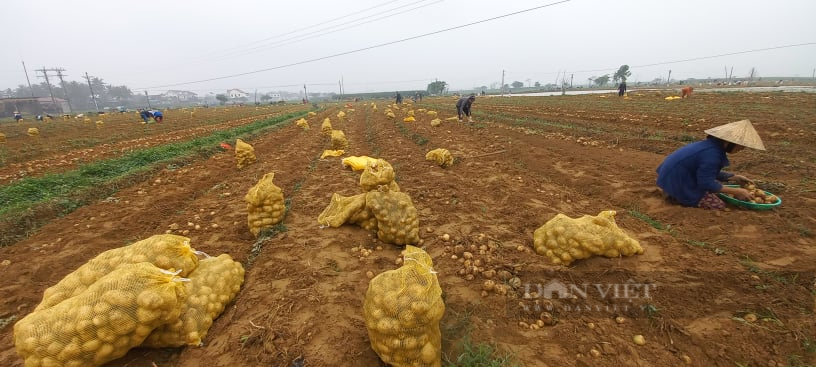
(397, 220)
(376, 174)
(436, 122)
(302, 123)
(338, 140)
(332, 153)
(341, 115)
(33, 131)
(402, 309)
(326, 127)
(166, 251)
(113, 315)
(244, 154)
(564, 239)
(2, 138)
(350, 210)
(357, 163)
(441, 156)
(212, 286)
(265, 205)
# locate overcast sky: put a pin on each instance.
(391, 45)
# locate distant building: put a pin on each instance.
(180, 95)
(236, 93)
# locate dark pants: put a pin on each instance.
(466, 111)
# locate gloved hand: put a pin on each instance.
(460, 118)
(470, 119)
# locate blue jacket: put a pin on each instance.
(693, 170)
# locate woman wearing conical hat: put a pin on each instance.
(693, 175)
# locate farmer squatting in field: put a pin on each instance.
(463, 106)
(155, 114)
(692, 175)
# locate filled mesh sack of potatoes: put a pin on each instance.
(340, 209)
(564, 239)
(302, 123)
(110, 317)
(33, 131)
(265, 205)
(166, 251)
(364, 218)
(341, 115)
(2, 138)
(212, 286)
(441, 156)
(244, 154)
(357, 163)
(397, 220)
(402, 310)
(436, 122)
(326, 127)
(378, 174)
(338, 140)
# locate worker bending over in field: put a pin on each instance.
(692, 175)
(686, 92)
(156, 115)
(463, 106)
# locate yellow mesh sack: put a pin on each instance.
(357, 163)
(431, 113)
(102, 323)
(340, 209)
(402, 310)
(212, 286)
(409, 119)
(441, 156)
(244, 154)
(311, 114)
(33, 131)
(338, 140)
(390, 114)
(564, 239)
(376, 174)
(332, 153)
(341, 115)
(326, 127)
(365, 219)
(397, 220)
(166, 251)
(436, 122)
(2, 138)
(265, 205)
(302, 123)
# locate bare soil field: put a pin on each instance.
(524, 160)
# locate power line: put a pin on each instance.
(324, 31)
(367, 48)
(242, 50)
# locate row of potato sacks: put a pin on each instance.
(152, 293)
(381, 206)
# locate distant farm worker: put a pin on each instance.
(18, 116)
(154, 114)
(399, 98)
(622, 88)
(686, 92)
(692, 175)
(463, 106)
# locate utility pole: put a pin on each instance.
(45, 71)
(668, 80)
(27, 80)
(93, 96)
(305, 94)
(340, 83)
(148, 100)
(256, 96)
(571, 76)
(64, 89)
(730, 75)
(502, 84)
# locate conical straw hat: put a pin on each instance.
(740, 132)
